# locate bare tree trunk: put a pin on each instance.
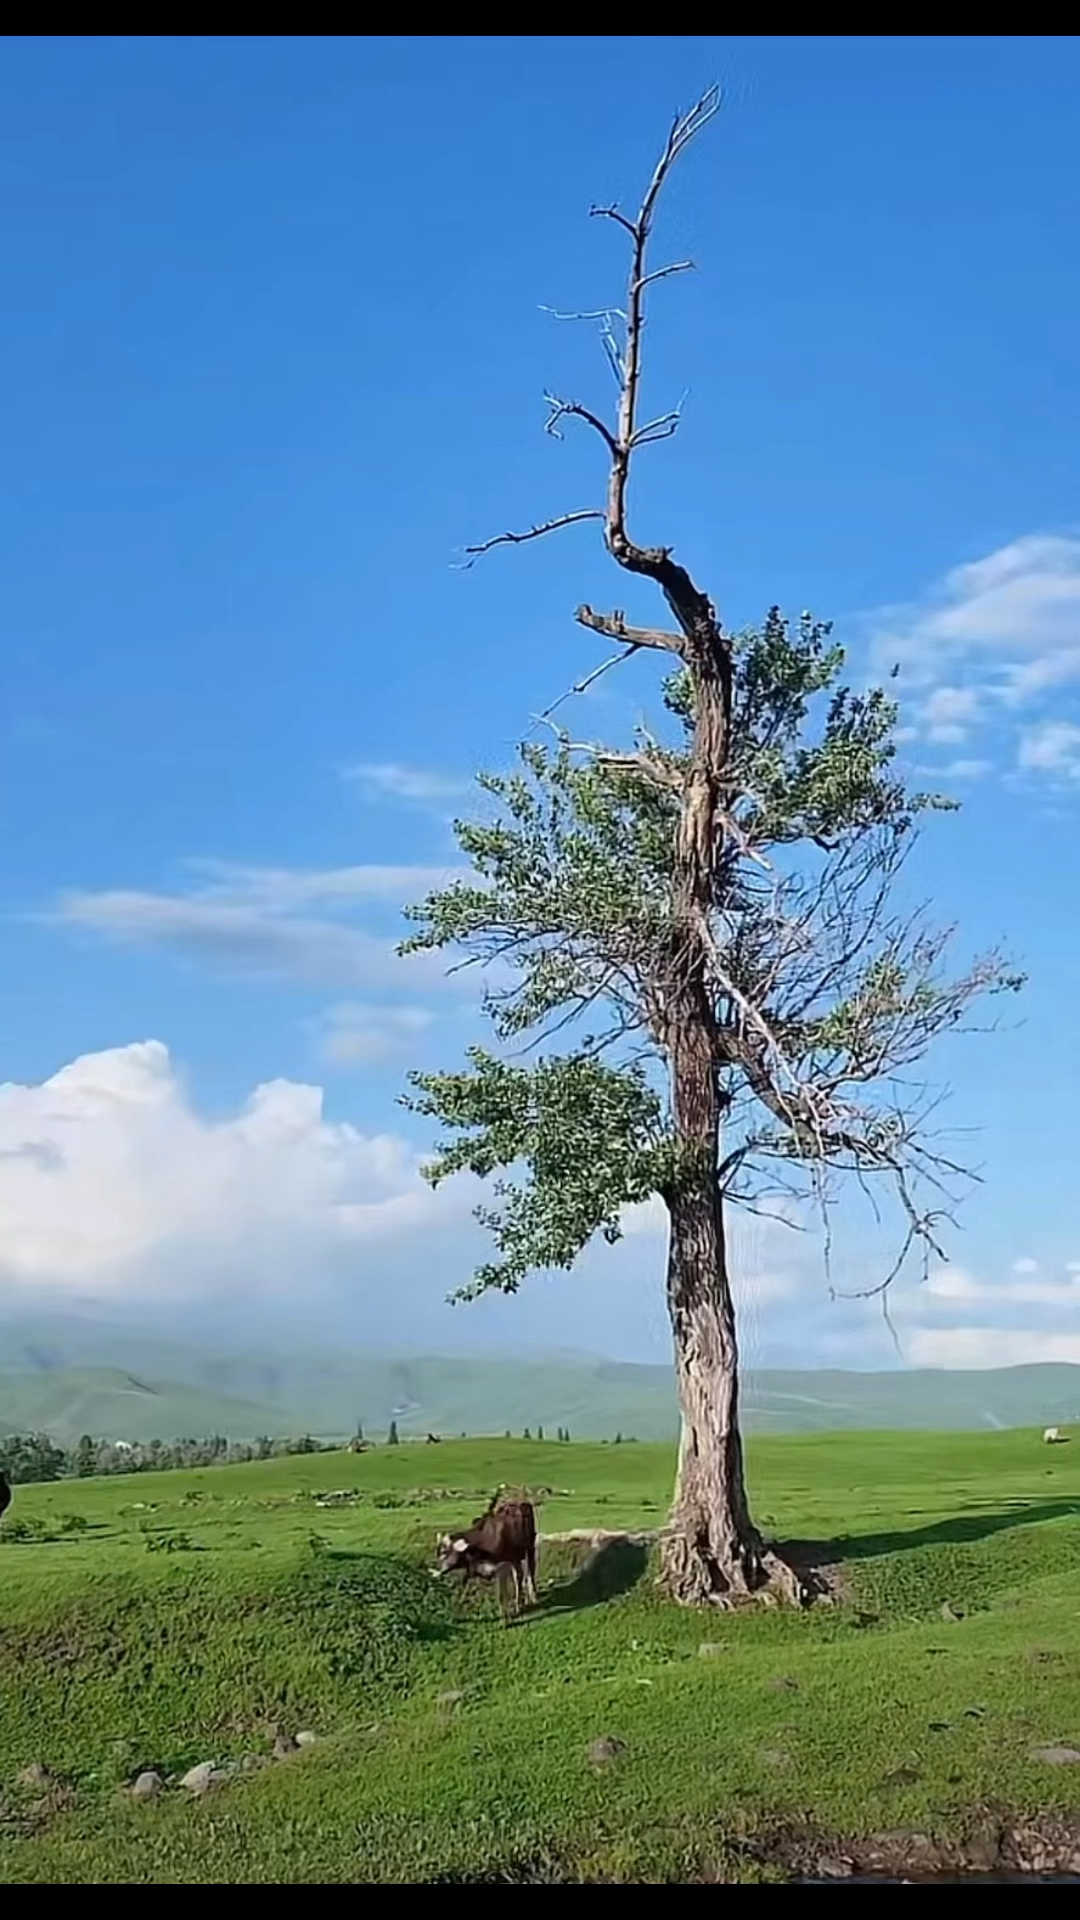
(713, 1551)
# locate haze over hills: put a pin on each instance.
(74, 1377)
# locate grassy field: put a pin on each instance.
(161, 1621)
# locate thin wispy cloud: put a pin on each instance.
(421, 786)
(294, 924)
(356, 1034)
(987, 650)
(1052, 747)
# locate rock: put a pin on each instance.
(251, 1762)
(709, 1649)
(199, 1779)
(1056, 1756)
(949, 1612)
(776, 1757)
(147, 1785)
(306, 1738)
(608, 1748)
(284, 1745)
(452, 1698)
(35, 1775)
(783, 1683)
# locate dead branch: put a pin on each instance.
(532, 533)
(613, 626)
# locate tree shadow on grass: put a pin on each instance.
(953, 1530)
(610, 1570)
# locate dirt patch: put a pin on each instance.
(990, 1844)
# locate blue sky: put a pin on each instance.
(272, 352)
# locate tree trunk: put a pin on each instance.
(713, 1552)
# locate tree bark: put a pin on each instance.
(713, 1551)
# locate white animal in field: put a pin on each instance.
(1054, 1437)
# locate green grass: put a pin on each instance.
(168, 1619)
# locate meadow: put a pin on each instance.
(157, 1622)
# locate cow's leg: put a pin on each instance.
(530, 1576)
(504, 1576)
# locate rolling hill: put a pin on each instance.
(123, 1387)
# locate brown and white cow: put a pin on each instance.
(501, 1546)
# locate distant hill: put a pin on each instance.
(73, 1380)
(112, 1404)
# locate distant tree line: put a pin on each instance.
(28, 1457)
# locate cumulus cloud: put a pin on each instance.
(110, 1180)
(286, 923)
(993, 639)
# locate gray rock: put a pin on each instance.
(284, 1745)
(603, 1751)
(305, 1738)
(1056, 1756)
(148, 1785)
(453, 1697)
(199, 1779)
(709, 1649)
(949, 1612)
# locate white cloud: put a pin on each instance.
(948, 713)
(1052, 747)
(1026, 1265)
(260, 921)
(388, 780)
(355, 1034)
(995, 636)
(109, 1179)
(975, 1347)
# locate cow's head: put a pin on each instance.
(451, 1554)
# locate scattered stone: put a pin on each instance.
(949, 1612)
(306, 1738)
(902, 1777)
(199, 1779)
(35, 1775)
(147, 1785)
(709, 1649)
(251, 1762)
(606, 1749)
(776, 1757)
(1056, 1756)
(283, 1746)
(783, 1683)
(974, 1713)
(939, 1726)
(452, 1698)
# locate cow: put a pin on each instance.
(501, 1546)
(5, 1494)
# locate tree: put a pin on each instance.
(713, 918)
(392, 1436)
(85, 1462)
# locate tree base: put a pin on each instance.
(696, 1570)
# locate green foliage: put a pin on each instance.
(590, 1137)
(821, 991)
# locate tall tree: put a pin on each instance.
(712, 919)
